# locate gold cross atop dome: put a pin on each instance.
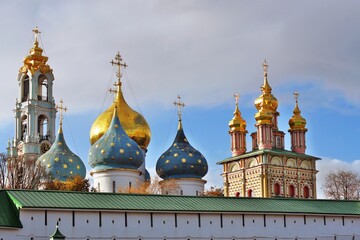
(115, 90)
(236, 96)
(119, 63)
(36, 33)
(62, 109)
(179, 105)
(265, 66)
(296, 96)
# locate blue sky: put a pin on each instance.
(203, 50)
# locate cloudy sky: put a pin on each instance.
(203, 50)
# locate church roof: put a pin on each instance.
(271, 151)
(12, 200)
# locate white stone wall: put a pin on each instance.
(184, 186)
(171, 226)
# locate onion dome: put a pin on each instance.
(132, 122)
(297, 122)
(60, 161)
(35, 60)
(181, 160)
(266, 103)
(115, 149)
(237, 123)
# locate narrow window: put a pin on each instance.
(126, 219)
(100, 220)
(129, 184)
(324, 220)
(45, 217)
(114, 186)
(284, 220)
(221, 220)
(199, 220)
(306, 192)
(249, 193)
(73, 218)
(304, 219)
(99, 187)
(151, 220)
(175, 220)
(264, 220)
(181, 192)
(291, 191)
(343, 221)
(243, 220)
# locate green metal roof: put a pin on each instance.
(164, 203)
(9, 214)
(273, 151)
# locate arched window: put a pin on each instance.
(25, 89)
(237, 194)
(23, 127)
(277, 189)
(42, 89)
(43, 128)
(291, 191)
(306, 192)
(249, 193)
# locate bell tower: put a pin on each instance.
(35, 111)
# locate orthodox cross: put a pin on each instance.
(36, 33)
(236, 96)
(61, 108)
(179, 105)
(119, 63)
(115, 90)
(265, 66)
(296, 96)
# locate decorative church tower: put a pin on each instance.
(35, 111)
(297, 129)
(182, 167)
(237, 131)
(269, 170)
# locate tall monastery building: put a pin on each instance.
(268, 170)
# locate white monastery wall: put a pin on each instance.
(40, 224)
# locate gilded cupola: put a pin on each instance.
(297, 122)
(59, 161)
(266, 103)
(35, 60)
(132, 122)
(237, 123)
(115, 149)
(181, 160)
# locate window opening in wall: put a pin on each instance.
(181, 192)
(114, 186)
(277, 189)
(175, 220)
(237, 194)
(73, 218)
(99, 187)
(113, 221)
(25, 95)
(221, 220)
(138, 221)
(151, 220)
(249, 193)
(187, 222)
(306, 192)
(45, 217)
(129, 184)
(197, 193)
(163, 222)
(32, 218)
(291, 191)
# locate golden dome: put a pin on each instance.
(297, 122)
(237, 123)
(266, 103)
(35, 60)
(132, 122)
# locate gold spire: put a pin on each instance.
(266, 103)
(132, 122)
(297, 122)
(62, 109)
(35, 60)
(237, 123)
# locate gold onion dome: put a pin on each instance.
(266, 103)
(237, 123)
(132, 122)
(35, 60)
(297, 122)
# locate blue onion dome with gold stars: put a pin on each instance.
(115, 149)
(181, 160)
(60, 161)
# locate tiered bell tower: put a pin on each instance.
(35, 111)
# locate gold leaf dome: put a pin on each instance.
(132, 122)
(266, 103)
(237, 123)
(297, 122)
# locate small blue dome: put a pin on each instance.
(181, 160)
(60, 161)
(115, 149)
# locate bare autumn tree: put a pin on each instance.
(21, 173)
(153, 187)
(342, 185)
